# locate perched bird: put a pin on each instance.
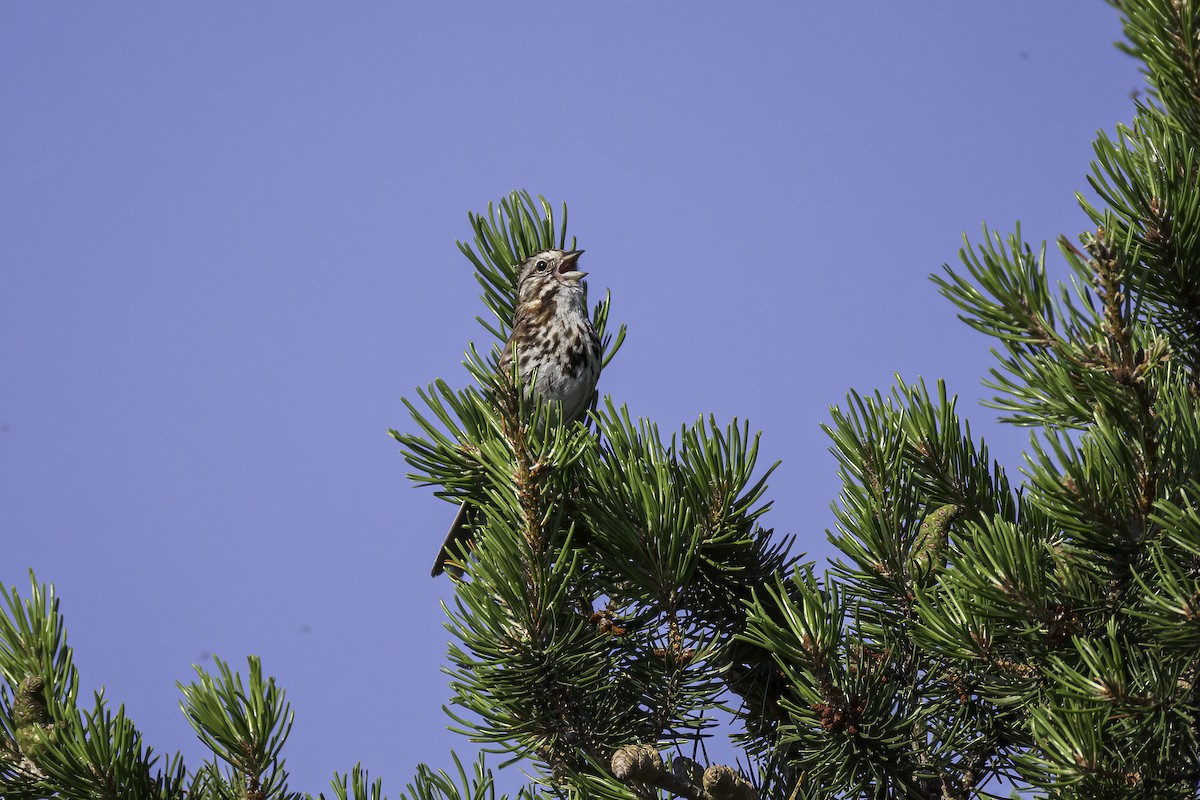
(555, 344)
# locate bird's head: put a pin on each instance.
(547, 269)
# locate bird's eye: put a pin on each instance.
(541, 266)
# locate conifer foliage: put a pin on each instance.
(979, 632)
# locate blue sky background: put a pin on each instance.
(227, 249)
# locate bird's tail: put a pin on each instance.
(453, 544)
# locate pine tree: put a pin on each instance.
(974, 635)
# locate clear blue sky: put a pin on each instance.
(227, 249)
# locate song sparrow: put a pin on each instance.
(553, 338)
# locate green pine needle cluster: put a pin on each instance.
(601, 599)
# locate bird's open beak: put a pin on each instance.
(567, 271)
